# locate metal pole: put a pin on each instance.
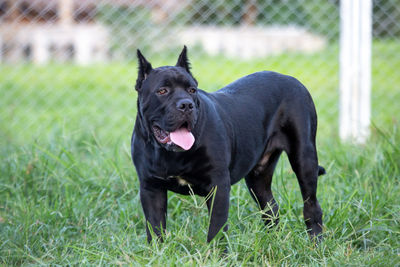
(355, 69)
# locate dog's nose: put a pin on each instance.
(185, 105)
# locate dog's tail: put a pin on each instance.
(321, 171)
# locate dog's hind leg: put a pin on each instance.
(304, 162)
(259, 184)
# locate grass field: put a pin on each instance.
(69, 192)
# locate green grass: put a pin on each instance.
(69, 192)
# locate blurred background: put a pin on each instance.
(68, 191)
(67, 67)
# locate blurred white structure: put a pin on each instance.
(250, 41)
(355, 69)
(81, 43)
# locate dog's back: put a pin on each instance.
(264, 108)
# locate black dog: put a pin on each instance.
(186, 139)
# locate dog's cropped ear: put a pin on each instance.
(183, 62)
(144, 70)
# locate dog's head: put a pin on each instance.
(167, 102)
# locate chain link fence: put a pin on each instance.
(67, 67)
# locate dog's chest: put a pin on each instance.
(184, 168)
(184, 179)
(180, 180)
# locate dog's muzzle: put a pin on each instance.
(181, 137)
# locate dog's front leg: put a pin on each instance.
(154, 204)
(218, 208)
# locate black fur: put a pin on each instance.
(144, 69)
(240, 131)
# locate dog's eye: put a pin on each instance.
(192, 90)
(162, 91)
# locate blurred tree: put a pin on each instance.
(386, 19)
(306, 13)
(250, 12)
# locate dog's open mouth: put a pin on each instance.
(181, 137)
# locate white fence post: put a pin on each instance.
(355, 69)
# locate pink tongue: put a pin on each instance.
(183, 138)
